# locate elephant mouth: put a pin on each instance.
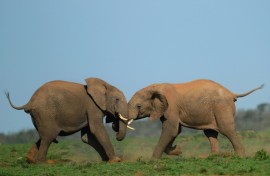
(115, 124)
(142, 115)
(110, 118)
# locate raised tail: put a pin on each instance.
(245, 94)
(12, 105)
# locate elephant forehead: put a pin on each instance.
(141, 96)
(137, 98)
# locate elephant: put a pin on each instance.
(61, 108)
(200, 104)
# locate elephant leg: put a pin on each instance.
(176, 149)
(212, 137)
(169, 132)
(232, 136)
(90, 138)
(46, 138)
(42, 151)
(99, 131)
(31, 156)
(226, 127)
(173, 150)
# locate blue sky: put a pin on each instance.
(131, 44)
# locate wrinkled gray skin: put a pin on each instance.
(60, 108)
(200, 104)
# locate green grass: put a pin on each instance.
(77, 158)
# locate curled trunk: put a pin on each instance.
(122, 130)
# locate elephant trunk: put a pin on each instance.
(122, 130)
(124, 122)
(122, 114)
(132, 111)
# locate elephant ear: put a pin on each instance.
(97, 89)
(159, 104)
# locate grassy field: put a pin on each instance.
(76, 158)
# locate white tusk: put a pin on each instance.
(130, 127)
(129, 122)
(121, 117)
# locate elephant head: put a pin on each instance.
(112, 102)
(148, 102)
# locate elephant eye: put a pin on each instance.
(115, 99)
(139, 106)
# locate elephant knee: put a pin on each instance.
(84, 138)
(174, 132)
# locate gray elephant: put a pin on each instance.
(61, 108)
(200, 104)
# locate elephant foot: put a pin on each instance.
(176, 150)
(240, 154)
(204, 155)
(51, 162)
(115, 160)
(30, 158)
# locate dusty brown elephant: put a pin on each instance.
(60, 108)
(200, 104)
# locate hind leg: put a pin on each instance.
(225, 120)
(231, 134)
(42, 151)
(212, 137)
(38, 152)
(31, 156)
(48, 131)
(46, 138)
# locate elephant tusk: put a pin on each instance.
(130, 127)
(129, 122)
(121, 117)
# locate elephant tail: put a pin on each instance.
(24, 107)
(247, 93)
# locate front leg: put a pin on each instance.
(99, 131)
(89, 138)
(173, 150)
(176, 149)
(170, 128)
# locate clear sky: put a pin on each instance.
(131, 44)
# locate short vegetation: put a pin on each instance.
(76, 158)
